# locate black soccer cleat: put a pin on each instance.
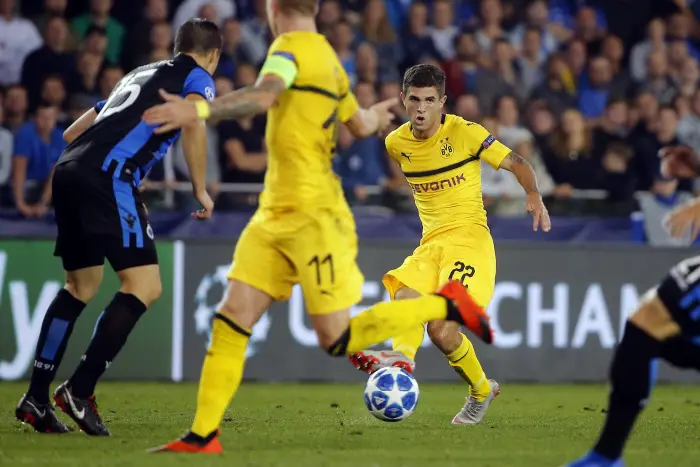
(83, 411)
(41, 417)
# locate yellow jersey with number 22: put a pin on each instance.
(444, 171)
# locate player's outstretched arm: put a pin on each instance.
(525, 175)
(80, 125)
(194, 146)
(366, 122)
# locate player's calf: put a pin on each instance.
(41, 417)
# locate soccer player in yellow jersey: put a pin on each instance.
(303, 231)
(439, 155)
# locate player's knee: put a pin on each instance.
(404, 293)
(653, 317)
(445, 335)
(82, 290)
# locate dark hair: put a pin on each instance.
(198, 35)
(95, 29)
(668, 107)
(424, 76)
(44, 105)
(615, 101)
(621, 149)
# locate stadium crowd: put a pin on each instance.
(586, 90)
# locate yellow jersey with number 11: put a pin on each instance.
(302, 126)
(444, 171)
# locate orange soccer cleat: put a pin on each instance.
(471, 315)
(193, 444)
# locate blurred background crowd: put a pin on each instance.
(587, 90)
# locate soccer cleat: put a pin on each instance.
(370, 361)
(83, 411)
(593, 459)
(474, 410)
(471, 315)
(193, 444)
(41, 417)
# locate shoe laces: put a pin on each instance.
(473, 407)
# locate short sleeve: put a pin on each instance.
(23, 142)
(199, 82)
(389, 145)
(485, 146)
(99, 105)
(348, 106)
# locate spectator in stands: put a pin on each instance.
(18, 38)
(568, 155)
(210, 12)
(504, 64)
(647, 149)
(612, 127)
(184, 200)
(613, 49)
(467, 107)
(16, 107)
(38, 144)
(536, 17)
(677, 53)
(378, 31)
(443, 31)
(466, 75)
(576, 58)
(6, 148)
(99, 17)
(190, 8)
(109, 77)
(360, 162)
(588, 30)
(531, 62)
(55, 9)
(366, 63)
(139, 37)
(541, 123)
(554, 90)
(616, 179)
(689, 126)
(655, 42)
(510, 132)
(89, 66)
(96, 42)
(78, 105)
(491, 30)
(416, 38)
(53, 92)
(678, 31)
(232, 51)
(160, 45)
(329, 14)
(255, 33)
(50, 59)
(342, 38)
(682, 104)
(687, 81)
(648, 223)
(593, 97)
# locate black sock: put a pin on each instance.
(632, 376)
(112, 330)
(681, 352)
(55, 331)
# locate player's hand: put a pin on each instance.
(40, 209)
(207, 206)
(384, 115)
(540, 215)
(684, 217)
(26, 210)
(175, 113)
(679, 162)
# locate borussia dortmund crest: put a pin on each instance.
(446, 149)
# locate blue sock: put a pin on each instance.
(55, 331)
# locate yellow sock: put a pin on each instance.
(386, 320)
(408, 342)
(464, 362)
(221, 374)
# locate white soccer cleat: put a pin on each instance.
(474, 411)
(370, 361)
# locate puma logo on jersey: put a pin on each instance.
(407, 155)
(438, 186)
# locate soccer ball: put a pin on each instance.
(391, 394)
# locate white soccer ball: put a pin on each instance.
(391, 394)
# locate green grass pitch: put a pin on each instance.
(327, 425)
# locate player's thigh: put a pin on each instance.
(259, 262)
(330, 327)
(324, 251)
(418, 272)
(472, 265)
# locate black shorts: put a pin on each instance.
(99, 217)
(680, 293)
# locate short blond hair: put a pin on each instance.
(303, 7)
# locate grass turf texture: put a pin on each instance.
(328, 425)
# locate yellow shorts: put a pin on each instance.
(465, 254)
(279, 249)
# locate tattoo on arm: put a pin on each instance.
(248, 101)
(522, 170)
